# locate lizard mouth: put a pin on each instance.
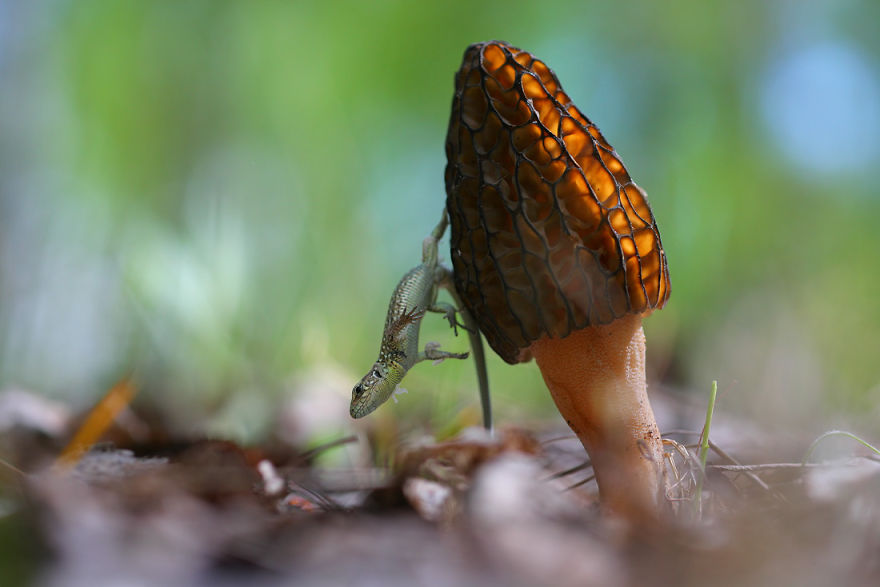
(357, 402)
(360, 408)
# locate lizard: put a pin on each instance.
(416, 294)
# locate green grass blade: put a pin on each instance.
(830, 433)
(704, 447)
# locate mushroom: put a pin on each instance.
(556, 253)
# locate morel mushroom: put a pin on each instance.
(556, 254)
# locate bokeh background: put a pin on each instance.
(220, 197)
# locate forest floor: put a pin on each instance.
(516, 508)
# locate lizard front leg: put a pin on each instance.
(449, 313)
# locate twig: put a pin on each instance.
(326, 501)
(12, 467)
(313, 452)
(559, 438)
(582, 482)
(721, 453)
(726, 456)
(567, 472)
(774, 466)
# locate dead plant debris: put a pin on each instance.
(516, 508)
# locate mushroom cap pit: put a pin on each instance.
(549, 234)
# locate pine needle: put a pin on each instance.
(95, 425)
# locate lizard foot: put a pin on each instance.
(454, 324)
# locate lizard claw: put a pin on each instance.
(454, 324)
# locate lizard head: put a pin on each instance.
(374, 388)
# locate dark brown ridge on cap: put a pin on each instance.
(549, 233)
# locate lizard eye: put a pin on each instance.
(358, 389)
(376, 373)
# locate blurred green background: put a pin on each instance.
(222, 195)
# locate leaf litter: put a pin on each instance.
(514, 508)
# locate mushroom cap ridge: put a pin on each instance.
(549, 234)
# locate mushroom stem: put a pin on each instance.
(597, 379)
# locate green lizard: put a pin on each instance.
(414, 295)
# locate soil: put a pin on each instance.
(515, 508)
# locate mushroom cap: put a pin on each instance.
(549, 234)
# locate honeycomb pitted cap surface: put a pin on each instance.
(549, 234)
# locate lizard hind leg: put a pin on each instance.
(396, 331)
